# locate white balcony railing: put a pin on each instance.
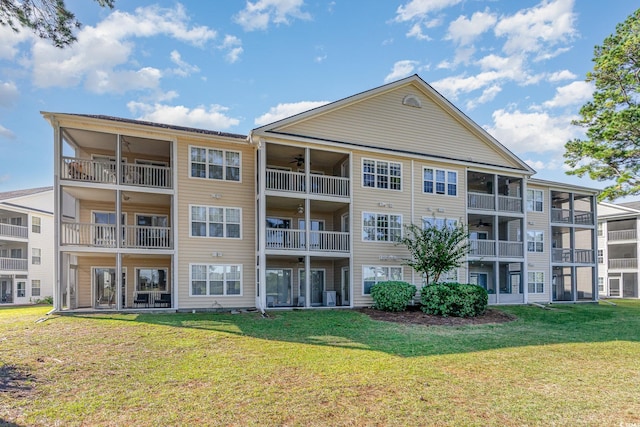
(104, 236)
(147, 237)
(583, 256)
(278, 238)
(482, 247)
(13, 264)
(295, 240)
(8, 230)
(329, 241)
(622, 263)
(622, 235)
(509, 204)
(104, 172)
(294, 182)
(481, 201)
(329, 185)
(510, 249)
(146, 175)
(285, 181)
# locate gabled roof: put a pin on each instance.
(276, 128)
(8, 195)
(633, 205)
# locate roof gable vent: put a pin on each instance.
(411, 101)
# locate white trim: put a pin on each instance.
(265, 285)
(535, 251)
(435, 182)
(389, 267)
(224, 282)
(526, 200)
(166, 276)
(376, 226)
(224, 150)
(375, 187)
(224, 223)
(535, 290)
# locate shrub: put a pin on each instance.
(46, 300)
(392, 295)
(454, 299)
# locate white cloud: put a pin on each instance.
(11, 40)
(420, 9)
(112, 37)
(549, 164)
(6, 133)
(463, 31)
(532, 132)
(401, 69)
(416, 31)
(213, 117)
(561, 75)
(571, 94)
(282, 111)
(539, 28)
(258, 15)
(233, 45)
(184, 69)
(487, 96)
(9, 94)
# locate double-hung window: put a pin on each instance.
(216, 279)
(376, 274)
(36, 258)
(36, 224)
(535, 282)
(381, 174)
(151, 279)
(213, 221)
(215, 164)
(439, 181)
(535, 241)
(600, 256)
(377, 227)
(534, 200)
(440, 223)
(35, 288)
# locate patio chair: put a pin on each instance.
(142, 299)
(164, 301)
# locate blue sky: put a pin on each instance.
(517, 68)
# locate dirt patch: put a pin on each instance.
(415, 316)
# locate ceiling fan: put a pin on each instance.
(298, 160)
(482, 224)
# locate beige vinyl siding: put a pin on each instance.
(87, 207)
(85, 290)
(383, 121)
(199, 250)
(537, 261)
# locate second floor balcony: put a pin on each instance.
(295, 182)
(296, 240)
(492, 248)
(105, 235)
(618, 235)
(14, 231)
(623, 263)
(104, 172)
(482, 201)
(567, 216)
(568, 255)
(14, 264)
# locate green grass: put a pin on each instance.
(573, 365)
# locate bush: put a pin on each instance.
(46, 300)
(392, 296)
(454, 299)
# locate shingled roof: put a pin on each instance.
(21, 193)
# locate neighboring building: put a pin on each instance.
(618, 246)
(306, 212)
(26, 245)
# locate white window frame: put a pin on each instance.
(438, 222)
(167, 286)
(383, 277)
(535, 280)
(35, 282)
(388, 228)
(435, 181)
(533, 201)
(36, 256)
(600, 256)
(225, 289)
(535, 241)
(383, 181)
(208, 222)
(21, 289)
(208, 164)
(36, 224)
(600, 284)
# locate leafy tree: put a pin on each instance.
(48, 19)
(435, 249)
(611, 149)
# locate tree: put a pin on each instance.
(435, 249)
(611, 149)
(48, 19)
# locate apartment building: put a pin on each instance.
(307, 211)
(26, 245)
(618, 246)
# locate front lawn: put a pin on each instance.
(573, 365)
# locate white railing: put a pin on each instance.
(482, 247)
(285, 239)
(481, 201)
(561, 255)
(84, 234)
(329, 241)
(88, 170)
(583, 256)
(9, 230)
(560, 215)
(509, 204)
(623, 263)
(285, 181)
(329, 185)
(146, 175)
(622, 235)
(511, 249)
(149, 237)
(12, 264)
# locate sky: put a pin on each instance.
(515, 67)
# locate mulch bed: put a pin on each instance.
(415, 316)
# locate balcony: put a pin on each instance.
(14, 264)
(18, 231)
(487, 248)
(623, 263)
(103, 172)
(621, 235)
(483, 201)
(566, 216)
(104, 236)
(567, 255)
(295, 240)
(294, 182)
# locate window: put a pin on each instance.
(440, 181)
(601, 284)
(534, 200)
(16, 253)
(535, 283)
(212, 221)
(376, 274)
(600, 229)
(35, 288)
(215, 164)
(449, 276)
(535, 241)
(379, 174)
(21, 289)
(35, 256)
(36, 224)
(216, 279)
(381, 227)
(600, 256)
(438, 222)
(151, 279)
